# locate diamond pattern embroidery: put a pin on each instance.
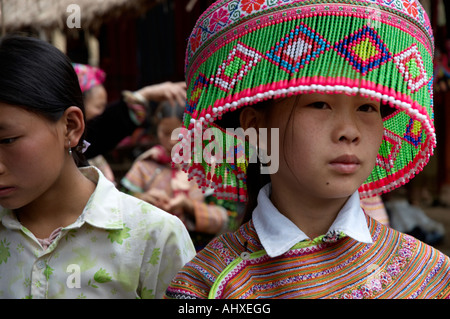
(298, 48)
(240, 60)
(410, 65)
(414, 133)
(201, 83)
(364, 50)
(393, 143)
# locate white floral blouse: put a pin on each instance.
(119, 247)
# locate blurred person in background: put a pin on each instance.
(154, 179)
(95, 99)
(108, 124)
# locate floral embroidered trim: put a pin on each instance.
(332, 236)
(235, 268)
(379, 280)
(225, 14)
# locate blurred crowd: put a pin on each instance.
(142, 122)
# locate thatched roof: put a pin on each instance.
(46, 14)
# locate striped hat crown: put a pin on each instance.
(243, 52)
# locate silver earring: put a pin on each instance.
(70, 150)
(262, 157)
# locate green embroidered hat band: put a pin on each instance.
(244, 52)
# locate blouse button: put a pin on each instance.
(245, 255)
(40, 264)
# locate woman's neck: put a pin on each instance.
(312, 215)
(59, 206)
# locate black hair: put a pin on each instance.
(38, 77)
(165, 109)
(254, 180)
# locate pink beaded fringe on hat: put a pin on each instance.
(243, 52)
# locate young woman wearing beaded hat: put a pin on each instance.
(348, 85)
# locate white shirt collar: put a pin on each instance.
(278, 234)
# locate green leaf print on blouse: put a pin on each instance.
(154, 259)
(101, 277)
(145, 208)
(48, 271)
(119, 235)
(4, 251)
(147, 293)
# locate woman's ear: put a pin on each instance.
(251, 117)
(74, 123)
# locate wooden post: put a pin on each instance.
(2, 18)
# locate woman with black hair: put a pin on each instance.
(66, 231)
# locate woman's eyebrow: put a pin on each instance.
(5, 126)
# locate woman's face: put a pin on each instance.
(95, 102)
(32, 155)
(328, 142)
(164, 131)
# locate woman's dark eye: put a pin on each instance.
(8, 140)
(368, 108)
(319, 105)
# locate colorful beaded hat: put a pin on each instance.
(243, 52)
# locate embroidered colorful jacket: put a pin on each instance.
(396, 265)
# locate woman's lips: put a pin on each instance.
(345, 164)
(6, 190)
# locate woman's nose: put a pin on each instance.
(2, 168)
(347, 130)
